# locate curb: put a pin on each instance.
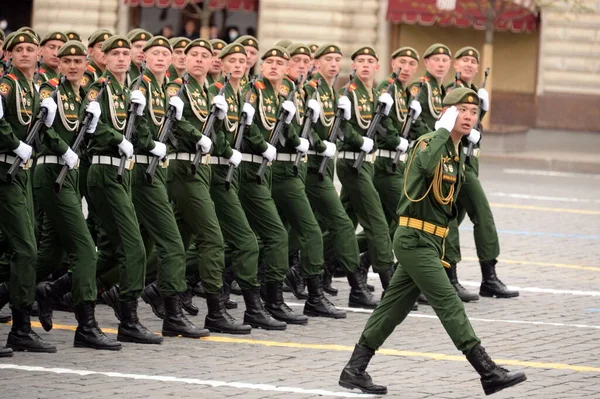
(550, 163)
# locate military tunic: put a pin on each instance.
(46, 73)
(91, 74)
(430, 98)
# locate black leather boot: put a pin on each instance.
(219, 321)
(65, 303)
(88, 334)
(386, 277)
(493, 378)
(235, 288)
(46, 293)
(226, 297)
(294, 280)
(22, 338)
(187, 304)
(328, 270)
(491, 285)
(422, 300)
(6, 352)
(317, 304)
(4, 295)
(355, 376)
(278, 308)
(111, 298)
(462, 292)
(256, 316)
(199, 290)
(360, 296)
(151, 295)
(363, 269)
(5, 318)
(175, 322)
(130, 329)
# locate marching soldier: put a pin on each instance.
(177, 67)
(251, 46)
(20, 105)
(435, 168)
(138, 39)
(96, 62)
(64, 228)
(50, 45)
(216, 68)
(473, 202)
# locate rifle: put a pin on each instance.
(372, 131)
(307, 125)
(33, 134)
(7, 66)
(130, 127)
(277, 130)
(471, 145)
(208, 125)
(456, 80)
(165, 132)
(339, 115)
(60, 180)
(406, 130)
(240, 135)
(36, 76)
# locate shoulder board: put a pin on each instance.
(353, 87)
(423, 79)
(101, 79)
(178, 81)
(13, 77)
(390, 80)
(53, 82)
(218, 85)
(42, 70)
(91, 69)
(313, 83)
(146, 79)
(260, 85)
(286, 77)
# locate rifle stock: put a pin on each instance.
(406, 130)
(306, 126)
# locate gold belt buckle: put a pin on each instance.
(130, 164)
(206, 159)
(77, 165)
(27, 164)
(165, 164)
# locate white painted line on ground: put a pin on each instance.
(544, 198)
(549, 173)
(192, 381)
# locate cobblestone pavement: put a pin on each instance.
(549, 225)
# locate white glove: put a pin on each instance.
(270, 153)
(70, 158)
(94, 109)
(249, 111)
(235, 158)
(484, 98)
(205, 144)
(367, 145)
(388, 101)
(330, 150)
(291, 110)
(447, 120)
(137, 97)
(23, 151)
(344, 103)
(50, 105)
(221, 104)
(159, 150)
(403, 146)
(416, 106)
(178, 104)
(474, 136)
(316, 108)
(126, 148)
(303, 146)
(1, 111)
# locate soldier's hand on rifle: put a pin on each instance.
(474, 136)
(448, 119)
(330, 149)
(221, 104)
(177, 103)
(23, 151)
(344, 103)
(303, 146)
(205, 144)
(316, 108)
(50, 105)
(94, 109)
(367, 145)
(386, 100)
(403, 145)
(159, 150)
(137, 97)
(270, 153)
(235, 158)
(70, 158)
(249, 111)
(290, 108)
(484, 98)
(126, 148)
(416, 106)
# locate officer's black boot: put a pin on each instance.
(22, 338)
(294, 280)
(256, 316)
(317, 304)
(328, 271)
(175, 322)
(278, 308)
(462, 292)
(130, 329)
(360, 296)
(422, 300)
(219, 321)
(355, 375)
(5, 318)
(151, 295)
(88, 334)
(6, 352)
(187, 303)
(199, 290)
(226, 296)
(4, 299)
(491, 285)
(111, 298)
(235, 288)
(493, 378)
(386, 278)
(363, 269)
(48, 292)
(65, 303)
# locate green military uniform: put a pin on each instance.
(136, 35)
(93, 71)
(176, 43)
(46, 73)
(218, 45)
(247, 41)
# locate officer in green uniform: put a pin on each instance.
(72, 35)
(289, 193)
(251, 46)
(433, 177)
(64, 231)
(20, 105)
(216, 68)
(238, 235)
(177, 67)
(120, 241)
(138, 38)
(256, 199)
(96, 63)
(359, 196)
(472, 201)
(50, 45)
